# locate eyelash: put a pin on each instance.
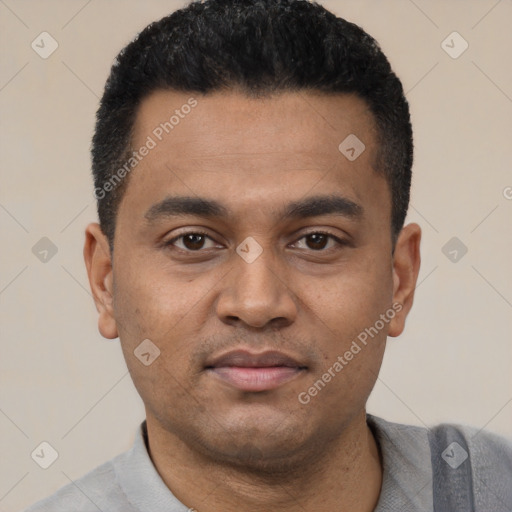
(170, 243)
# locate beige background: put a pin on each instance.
(64, 384)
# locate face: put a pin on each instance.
(253, 254)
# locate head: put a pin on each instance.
(252, 166)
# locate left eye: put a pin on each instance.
(318, 241)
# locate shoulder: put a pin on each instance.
(455, 453)
(397, 439)
(489, 460)
(486, 447)
(483, 449)
(96, 490)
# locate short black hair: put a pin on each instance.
(261, 47)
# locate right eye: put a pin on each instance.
(192, 241)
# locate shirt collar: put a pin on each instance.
(407, 468)
(140, 481)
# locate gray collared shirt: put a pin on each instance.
(131, 483)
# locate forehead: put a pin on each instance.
(226, 146)
(301, 123)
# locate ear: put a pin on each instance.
(406, 266)
(99, 269)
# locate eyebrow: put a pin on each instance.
(314, 206)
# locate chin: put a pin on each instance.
(259, 457)
(256, 446)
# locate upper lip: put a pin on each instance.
(246, 359)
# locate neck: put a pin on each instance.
(345, 471)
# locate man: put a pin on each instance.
(252, 164)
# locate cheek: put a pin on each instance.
(152, 304)
(352, 299)
(347, 311)
(154, 323)
(151, 301)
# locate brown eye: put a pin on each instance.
(192, 241)
(318, 241)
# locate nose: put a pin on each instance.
(257, 294)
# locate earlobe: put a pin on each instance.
(99, 270)
(406, 266)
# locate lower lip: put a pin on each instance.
(255, 379)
